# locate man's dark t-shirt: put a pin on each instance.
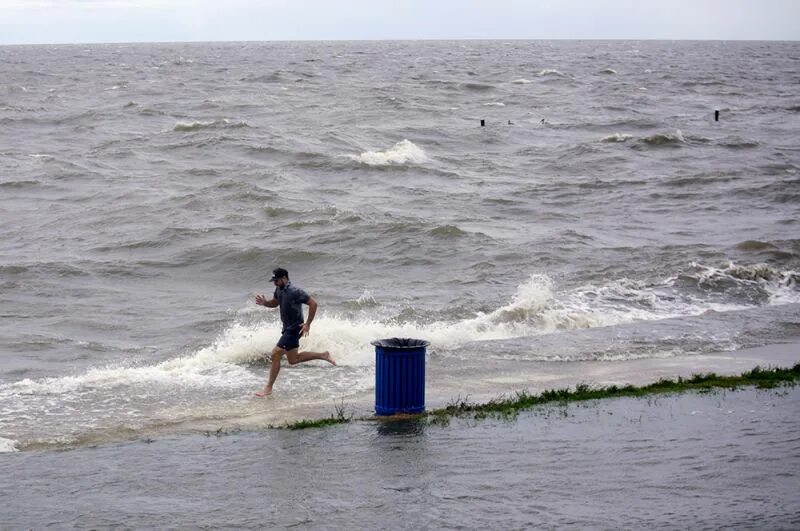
(291, 300)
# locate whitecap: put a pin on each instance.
(403, 152)
(191, 126)
(7, 446)
(617, 137)
(213, 124)
(658, 139)
(522, 81)
(779, 285)
(366, 299)
(494, 104)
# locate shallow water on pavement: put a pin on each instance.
(726, 459)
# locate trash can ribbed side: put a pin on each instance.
(399, 379)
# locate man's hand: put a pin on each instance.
(312, 311)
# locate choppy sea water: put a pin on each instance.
(600, 215)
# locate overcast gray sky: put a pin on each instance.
(81, 21)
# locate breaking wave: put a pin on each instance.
(7, 446)
(617, 137)
(551, 72)
(213, 124)
(756, 284)
(404, 152)
(665, 139)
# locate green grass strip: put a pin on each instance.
(758, 377)
(522, 400)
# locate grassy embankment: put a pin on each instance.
(521, 401)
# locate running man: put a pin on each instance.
(290, 299)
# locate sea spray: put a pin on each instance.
(527, 303)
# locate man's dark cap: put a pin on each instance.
(279, 273)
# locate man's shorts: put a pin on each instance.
(290, 339)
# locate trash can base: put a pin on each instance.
(384, 411)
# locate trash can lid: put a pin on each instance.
(400, 343)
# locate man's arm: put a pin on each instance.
(312, 311)
(263, 301)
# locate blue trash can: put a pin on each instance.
(399, 375)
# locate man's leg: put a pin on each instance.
(274, 369)
(295, 357)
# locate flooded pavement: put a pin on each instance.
(725, 459)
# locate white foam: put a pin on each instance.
(780, 286)
(403, 152)
(786, 290)
(215, 366)
(617, 137)
(666, 138)
(198, 125)
(192, 126)
(494, 104)
(551, 72)
(522, 81)
(535, 308)
(7, 446)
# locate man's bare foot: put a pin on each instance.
(264, 392)
(329, 358)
